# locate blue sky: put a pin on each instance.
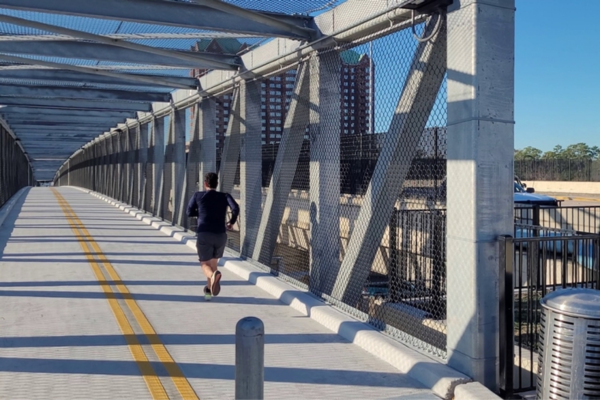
(557, 73)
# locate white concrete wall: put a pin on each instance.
(592, 188)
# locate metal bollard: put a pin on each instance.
(249, 359)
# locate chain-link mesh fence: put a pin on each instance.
(15, 171)
(558, 170)
(347, 147)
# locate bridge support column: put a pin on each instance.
(208, 138)
(480, 174)
(131, 150)
(285, 168)
(231, 148)
(122, 164)
(324, 209)
(142, 165)
(250, 165)
(178, 170)
(158, 158)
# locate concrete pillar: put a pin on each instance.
(121, 160)
(285, 168)
(131, 153)
(158, 157)
(142, 164)
(480, 174)
(207, 133)
(401, 142)
(250, 165)
(231, 148)
(193, 157)
(324, 210)
(179, 164)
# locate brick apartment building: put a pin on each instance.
(355, 88)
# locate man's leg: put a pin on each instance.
(215, 285)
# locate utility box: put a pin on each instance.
(569, 345)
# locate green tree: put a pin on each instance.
(580, 151)
(528, 153)
(554, 154)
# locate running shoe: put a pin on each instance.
(207, 294)
(215, 286)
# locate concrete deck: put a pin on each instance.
(65, 332)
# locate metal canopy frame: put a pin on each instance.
(204, 15)
(57, 79)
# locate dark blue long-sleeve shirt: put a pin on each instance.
(211, 209)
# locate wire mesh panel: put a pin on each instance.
(14, 167)
(361, 112)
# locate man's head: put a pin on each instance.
(211, 180)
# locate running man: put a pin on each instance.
(210, 207)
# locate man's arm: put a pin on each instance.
(235, 209)
(192, 208)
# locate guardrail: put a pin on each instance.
(535, 262)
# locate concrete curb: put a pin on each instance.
(9, 205)
(440, 378)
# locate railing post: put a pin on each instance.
(249, 359)
(506, 314)
(395, 283)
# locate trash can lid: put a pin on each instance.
(576, 302)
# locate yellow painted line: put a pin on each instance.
(150, 377)
(181, 383)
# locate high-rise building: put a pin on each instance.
(356, 94)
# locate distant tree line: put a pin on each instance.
(577, 162)
(579, 152)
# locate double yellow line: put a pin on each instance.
(152, 380)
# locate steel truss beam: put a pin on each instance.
(105, 52)
(175, 14)
(113, 49)
(21, 112)
(136, 36)
(74, 76)
(76, 104)
(58, 92)
(97, 71)
(67, 126)
(62, 120)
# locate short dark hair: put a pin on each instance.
(211, 180)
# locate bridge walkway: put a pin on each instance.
(97, 304)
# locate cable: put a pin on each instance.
(435, 30)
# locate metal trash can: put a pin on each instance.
(569, 347)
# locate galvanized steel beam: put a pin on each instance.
(165, 13)
(81, 104)
(103, 47)
(28, 112)
(59, 92)
(64, 75)
(105, 52)
(98, 71)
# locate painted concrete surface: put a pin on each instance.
(60, 339)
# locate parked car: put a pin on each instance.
(524, 195)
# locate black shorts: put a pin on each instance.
(210, 245)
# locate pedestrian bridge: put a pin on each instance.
(98, 304)
(362, 140)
